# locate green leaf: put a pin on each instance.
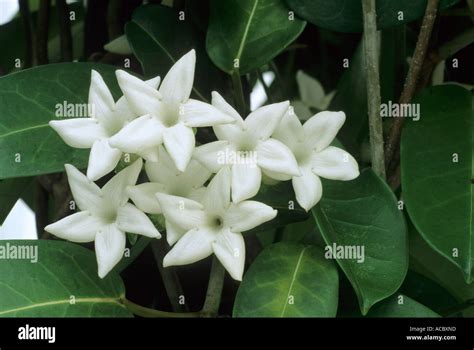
(436, 159)
(10, 191)
(346, 15)
(364, 213)
(28, 101)
(249, 33)
(409, 308)
(64, 272)
(149, 37)
(288, 280)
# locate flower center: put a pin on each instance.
(216, 222)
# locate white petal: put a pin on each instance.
(114, 191)
(216, 199)
(212, 155)
(102, 160)
(246, 180)
(197, 194)
(195, 245)
(247, 215)
(149, 154)
(233, 133)
(131, 219)
(143, 196)
(229, 248)
(221, 104)
(154, 82)
(86, 193)
(139, 135)
(163, 170)
(335, 164)
(194, 177)
(308, 188)
(322, 128)
(276, 176)
(181, 211)
(79, 132)
(311, 91)
(173, 232)
(275, 156)
(109, 248)
(79, 227)
(195, 113)
(262, 122)
(99, 96)
(179, 142)
(123, 113)
(178, 83)
(290, 132)
(141, 97)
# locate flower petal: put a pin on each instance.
(195, 245)
(181, 211)
(102, 160)
(246, 179)
(322, 128)
(211, 155)
(178, 83)
(149, 154)
(154, 82)
(86, 193)
(109, 248)
(141, 97)
(308, 188)
(335, 164)
(79, 132)
(79, 227)
(131, 219)
(221, 104)
(179, 142)
(195, 113)
(99, 96)
(140, 134)
(290, 132)
(276, 176)
(216, 199)
(143, 196)
(173, 232)
(229, 248)
(247, 215)
(311, 90)
(275, 156)
(262, 122)
(114, 191)
(162, 170)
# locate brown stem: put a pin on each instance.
(419, 54)
(42, 32)
(64, 31)
(28, 32)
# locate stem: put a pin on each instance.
(373, 87)
(458, 43)
(173, 287)
(239, 93)
(42, 31)
(114, 14)
(214, 289)
(150, 313)
(278, 76)
(135, 251)
(29, 33)
(64, 31)
(265, 87)
(419, 54)
(41, 204)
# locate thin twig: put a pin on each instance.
(239, 94)
(409, 88)
(214, 289)
(29, 33)
(147, 312)
(169, 276)
(42, 32)
(371, 48)
(64, 31)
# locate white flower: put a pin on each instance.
(213, 226)
(250, 148)
(105, 215)
(94, 132)
(310, 143)
(167, 179)
(167, 115)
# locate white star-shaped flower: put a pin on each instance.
(213, 226)
(95, 132)
(167, 115)
(247, 148)
(105, 215)
(310, 143)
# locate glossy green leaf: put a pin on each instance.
(28, 101)
(61, 282)
(289, 280)
(436, 158)
(158, 39)
(346, 15)
(10, 191)
(363, 213)
(245, 34)
(401, 306)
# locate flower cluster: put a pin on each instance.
(155, 122)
